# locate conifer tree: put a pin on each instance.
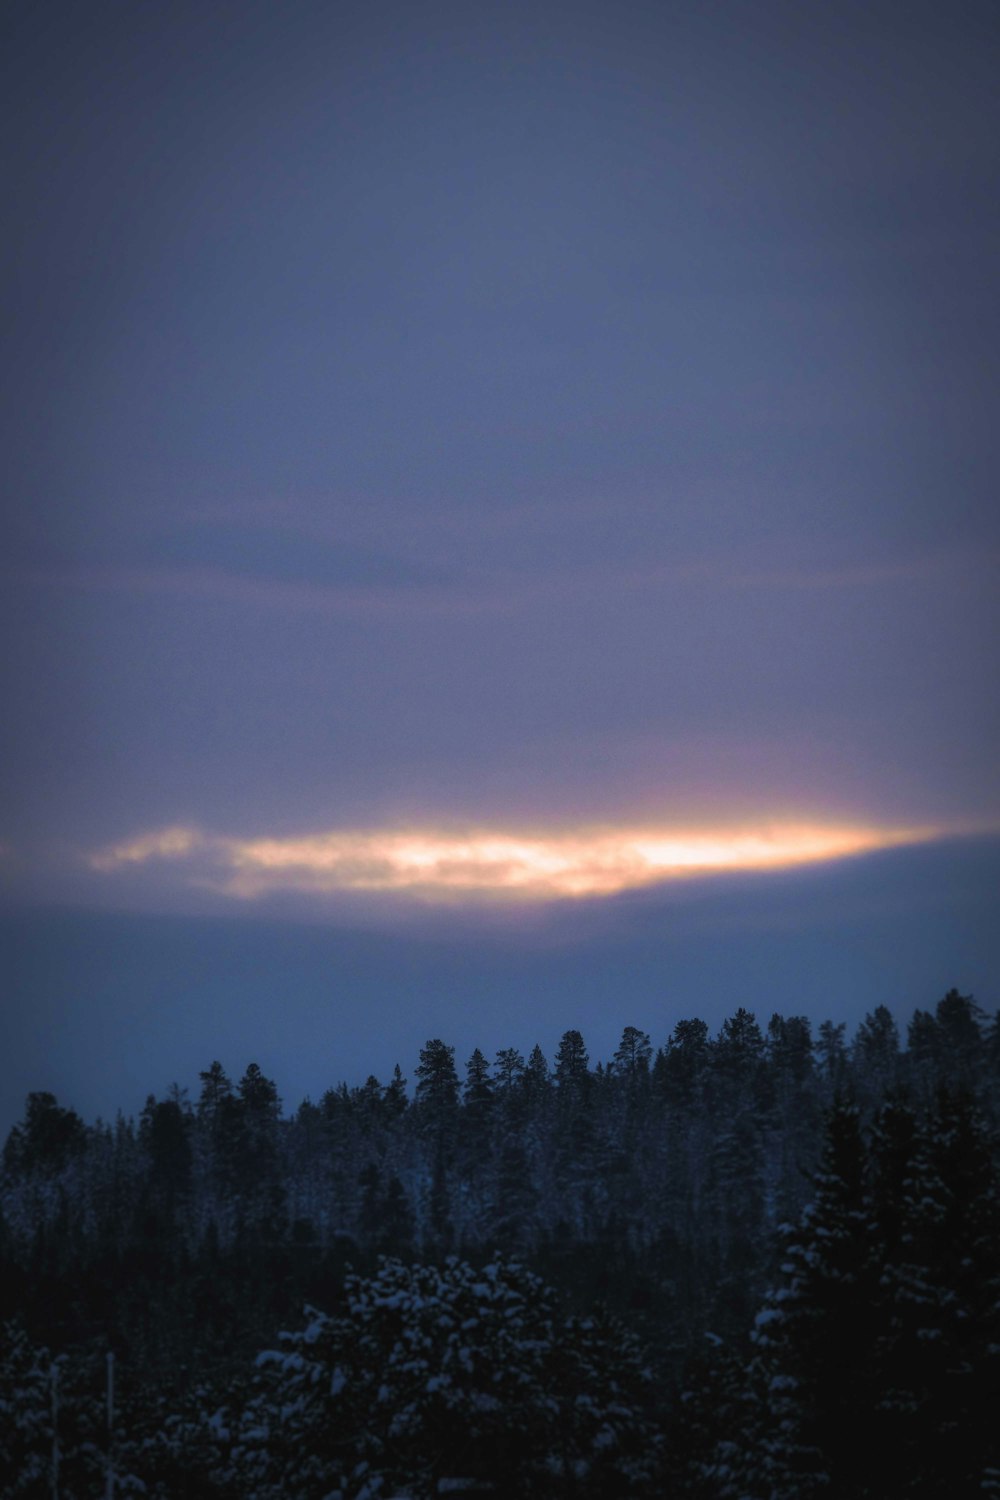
(875, 1054)
(436, 1380)
(960, 1024)
(437, 1102)
(509, 1067)
(739, 1053)
(395, 1094)
(26, 1414)
(478, 1091)
(940, 1382)
(633, 1055)
(812, 1367)
(216, 1095)
(571, 1064)
(259, 1098)
(537, 1076)
(260, 1191)
(832, 1053)
(923, 1054)
(165, 1135)
(685, 1064)
(437, 1082)
(395, 1234)
(49, 1138)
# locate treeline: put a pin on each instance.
(654, 1186)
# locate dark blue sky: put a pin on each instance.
(530, 419)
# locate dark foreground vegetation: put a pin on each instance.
(759, 1266)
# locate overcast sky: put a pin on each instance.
(467, 438)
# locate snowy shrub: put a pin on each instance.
(446, 1380)
(25, 1413)
(52, 1434)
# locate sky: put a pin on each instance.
(466, 465)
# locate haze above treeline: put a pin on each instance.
(120, 1005)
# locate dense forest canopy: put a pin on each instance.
(699, 1265)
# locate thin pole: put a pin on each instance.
(109, 1488)
(54, 1379)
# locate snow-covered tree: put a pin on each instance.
(449, 1378)
(27, 1408)
(812, 1368)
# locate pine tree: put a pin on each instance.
(514, 1226)
(449, 1379)
(437, 1083)
(794, 1112)
(941, 1344)
(875, 1054)
(736, 1205)
(812, 1368)
(509, 1067)
(923, 1054)
(261, 1191)
(49, 1138)
(961, 1028)
(216, 1095)
(26, 1414)
(259, 1097)
(165, 1133)
(395, 1235)
(395, 1094)
(571, 1064)
(478, 1091)
(833, 1060)
(739, 1054)
(685, 1064)
(537, 1077)
(633, 1055)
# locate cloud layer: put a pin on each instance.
(485, 864)
(495, 418)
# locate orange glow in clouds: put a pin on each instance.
(485, 864)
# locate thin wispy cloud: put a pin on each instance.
(498, 591)
(160, 843)
(299, 596)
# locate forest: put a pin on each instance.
(757, 1265)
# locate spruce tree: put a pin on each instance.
(812, 1339)
(437, 1083)
(941, 1344)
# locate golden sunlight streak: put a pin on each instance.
(490, 864)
